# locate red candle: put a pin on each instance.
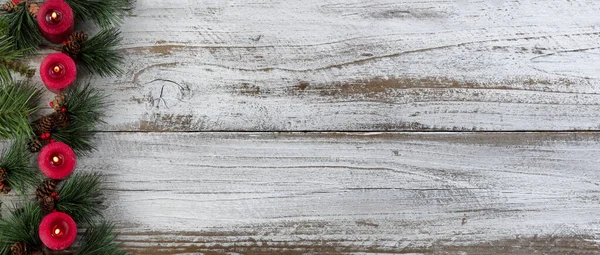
(55, 19)
(58, 231)
(57, 160)
(58, 71)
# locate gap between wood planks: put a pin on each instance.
(355, 131)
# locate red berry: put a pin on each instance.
(51, 104)
(63, 109)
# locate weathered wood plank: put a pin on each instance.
(290, 193)
(266, 65)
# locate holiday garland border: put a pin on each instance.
(76, 113)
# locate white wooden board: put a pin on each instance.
(358, 65)
(273, 192)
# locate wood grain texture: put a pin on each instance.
(296, 193)
(355, 65)
(271, 65)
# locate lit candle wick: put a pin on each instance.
(57, 69)
(54, 16)
(56, 160)
(57, 231)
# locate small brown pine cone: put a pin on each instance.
(62, 119)
(78, 36)
(3, 174)
(30, 73)
(45, 189)
(19, 248)
(10, 7)
(59, 102)
(47, 204)
(35, 145)
(5, 187)
(46, 124)
(33, 9)
(72, 48)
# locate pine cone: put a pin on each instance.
(3, 174)
(62, 119)
(10, 7)
(72, 48)
(78, 36)
(46, 124)
(47, 204)
(30, 73)
(59, 102)
(33, 9)
(4, 187)
(45, 189)
(19, 248)
(35, 145)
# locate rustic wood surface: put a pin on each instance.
(291, 193)
(359, 65)
(355, 127)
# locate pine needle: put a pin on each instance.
(21, 226)
(99, 240)
(106, 13)
(21, 176)
(85, 105)
(99, 54)
(8, 52)
(23, 28)
(18, 100)
(81, 197)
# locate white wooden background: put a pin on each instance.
(355, 127)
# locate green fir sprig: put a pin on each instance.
(85, 106)
(81, 197)
(18, 101)
(10, 59)
(16, 160)
(23, 29)
(106, 13)
(99, 240)
(21, 226)
(99, 53)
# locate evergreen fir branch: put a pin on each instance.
(76, 137)
(8, 49)
(21, 226)
(106, 13)
(23, 28)
(21, 176)
(9, 56)
(81, 197)
(86, 106)
(99, 54)
(3, 25)
(18, 100)
(99, 240)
